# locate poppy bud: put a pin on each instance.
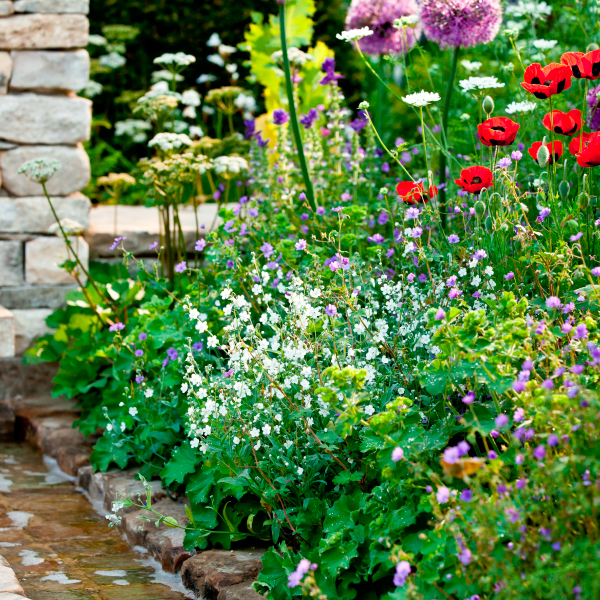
(488, 224)
(584, 201)
(480, 209)
(591, 47)
(543, 155)
(488, 105)
(572, 225)
(563, 189)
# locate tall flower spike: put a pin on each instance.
(379, 16)
(464, 23)
(547, 81)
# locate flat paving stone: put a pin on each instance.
(59, 547)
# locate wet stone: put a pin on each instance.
(241, 591)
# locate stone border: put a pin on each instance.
(46, 423)
(10, 588)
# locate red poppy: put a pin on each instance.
(590, 156)
(555, 149)
(547, 81)
(498, 131)
(474, 179)
(579, 142)
(414, 193)
(583, 66)
(564, 123)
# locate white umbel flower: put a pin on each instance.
(520, 107)
(545, 44)
(421, 98)
(40, 169)
(480, 83)
(354, 34)
(170, 141)
(230, 164)
(180, 59)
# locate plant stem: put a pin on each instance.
(447, 102)
(293, 117)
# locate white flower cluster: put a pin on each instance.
(230, 164)
(179, 59)
(421, 98)
(354, 34)
(170, 141)
(480, 83)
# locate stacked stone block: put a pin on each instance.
(42, 67)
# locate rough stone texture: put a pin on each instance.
(164, 543)
(52, 6)
(9, 584)
(18, 381)
(72, 458)
(73, 175)
(140, 225)
(6, 67)
(40, 119)
(49, 70)
(241, 591)
(43, 31)
(29, 325)
(33, 214)
(214, 570)
(125, 484)
(11, 262)
(7, 333)
(43, 256)
(39, 296)
(7, 422)
(50, 433)
(6, 8)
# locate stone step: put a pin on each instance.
(10, 588)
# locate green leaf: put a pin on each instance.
(184, 461)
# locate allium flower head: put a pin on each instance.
(464, 23)
(379, 17)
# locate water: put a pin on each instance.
(60, 547)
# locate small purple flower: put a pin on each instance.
(200, 245)
(142, 336)
(377, 239)
(581, 331)
(330, 310)
(469, 398)
(267, 249)
(521, 483)
(463, 448)
(443, 494)
(300, 245)
(504, 163)
(139, 353)
(328, 68)
(548, 384)
(552, 440)
(309, 119)
(304, 565)
(197, 346)
(510, 275)
(576, 237)
(451, 455)
(480, 255)
(453, 239)
(516, 155)
(501, 421)
(519, 415)
(553, 302)
(180, 267)
(466, 495)
(397, 454)
(540, 452)
(518, 386)
(280, 116)
(116, 327)
(596, 271)
(492, 455)
(577, 369)
(117, 241)
(403, 569)
(413, 213)
(543, 214)
(153, 246)
(440, 315)
(465, 556)
(139, 378)
(556, 546)
(172, 354)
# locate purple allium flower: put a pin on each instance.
(516, 155)
(540, 452)
(142, 336)
(180, 267)
(280, 116)
(139, 353)
(300, 245)
(463, 23)
(200, 245)
(330, 310)
(453, 239)
(510, 275)
(402, 572)
(117, 241)
(501, 420)
(397, 454)
(466, 495)
(379, 16)
(328, 68)
(116, 327)
(443, 494)
(440, 315)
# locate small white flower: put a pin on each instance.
(462, 272)
(421, 98)
(520, 107)
(40, 170)
(113, 60)
(133, 411)
(471, 66)
(236, 440)
(195, 443)
(489, 271)
(254, 432)
(216, 59)
(201, 326)
(230, 164)
(300, 470)
(109, 427)
(369, 410)
(212, 342)
(266, 429)
(148, 392)
(354, 34)
(214, 40)
(190, 98)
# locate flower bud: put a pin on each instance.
(488, 105)
(572, 226)
(584, 200)
(480, 209)
(591, 47)
(489, 225)
(563, 189)
(505, 226)
(543, 155)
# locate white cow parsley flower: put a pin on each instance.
(354, 34)
(421, 98)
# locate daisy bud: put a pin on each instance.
(563, 189)
(488, 105)
(584, 200)
(480, 209)
(543, 155)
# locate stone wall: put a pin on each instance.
(42, 67)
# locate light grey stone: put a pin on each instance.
(40, 119)
(52, 6)
(11, 262)
(7, 146)
(6, 66)
(35, 296)
(38, 31)
(6, 8)
(44, 255)
(49, 70)
(73, 175)
(33, 214)
(30, 324)
(7, 333)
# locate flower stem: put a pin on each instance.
(293, 117)
(447, 101)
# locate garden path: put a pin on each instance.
(61, 548)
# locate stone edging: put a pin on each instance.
(10, 588)
(212, 574)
